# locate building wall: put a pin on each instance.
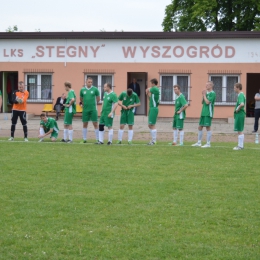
(74, 72)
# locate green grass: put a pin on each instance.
(72, 201)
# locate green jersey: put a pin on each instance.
(129, 100)
(72, 108)
(241, 99)
(50, 124)
(180, 102)
(155, 96)
(0, 93)
(208, 109)
(89, 98)
(109, 100)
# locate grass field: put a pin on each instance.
(76, 201)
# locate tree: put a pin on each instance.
(212, 15)
(12, 29)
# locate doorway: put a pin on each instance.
(141, 79)
(252, 87)
(8, 83)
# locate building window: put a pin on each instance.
(99, 80)
(224, 88)
(39, 87)
(167, 83)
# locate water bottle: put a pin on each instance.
(256, 139)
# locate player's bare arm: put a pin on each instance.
(70, 103)
(113, 110)
(257, 98)
(147, 91)
(121, 105)
(49, 132)
(182, 109)
(134, 105)
(98, 99)
(239, 107)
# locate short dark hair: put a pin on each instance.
(238, 85)
(89, 78)
(109, 85)
(67, 84)
(42, 115)
(129, 91)
(154, 81)
(176, 86)
(20, 82)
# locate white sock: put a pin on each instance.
(130, 135)
(175, 135)
(84, 133)
(97, 134)
(181, 136)
(71, 135)
(200, 133)
(65, 134)
(42, 132)
(154, 132)
(110, 135)
(101, 136)
(209, 134)
(241, 140)
(120, 134)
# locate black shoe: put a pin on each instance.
(99, 142)
(63, 141)
(68, 141)
(56, 118)
(253, 132)
(109, 143)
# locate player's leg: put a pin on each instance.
(70, 128)
(200, 131)
(180, 124)
(85, 120)
(54, 136)
(153, 113)
(239, 127)
(209, 133)
(109, 125)
(130, 122)
(101, 130)
(14, 122)
(175, 130)
(123, 122)
(41, 132)
(22, 116)
(94, 119)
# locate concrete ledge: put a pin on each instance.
(8, 116)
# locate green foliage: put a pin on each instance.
(12, 29)
(213, 15)
(76, 201)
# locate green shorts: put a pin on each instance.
(54, 134)
(152, 116)
(205, 121)
(239, 122)
(177, 122)
(68, 117)
(90, 115)
(105, 120)
(127, 117)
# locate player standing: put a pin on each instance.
(179, 116)
(70, 110)
(109, 106)
(239, 116)
(207, 112)
(154, 95)
(19, 110)
(129, 101)
(89, 97)
(48, 126)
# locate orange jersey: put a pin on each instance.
(24, 96)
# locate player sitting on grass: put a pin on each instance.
(48, 126)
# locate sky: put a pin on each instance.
(83, 15)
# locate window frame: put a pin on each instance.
(99, 75)
(174, 83)
(39, 90)
(224, 101)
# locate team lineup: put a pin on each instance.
(128, 101)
